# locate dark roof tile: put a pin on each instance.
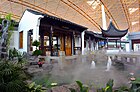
(56, 18)
(112, 31)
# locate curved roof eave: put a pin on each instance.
(112, 31)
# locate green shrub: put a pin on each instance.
(37, 52)
(135, 85)
(36, 43)
(33, 87)
(12, 77)
(81, 86)
(13, 53)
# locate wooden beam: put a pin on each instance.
(58, 28)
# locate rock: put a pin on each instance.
(65, 88)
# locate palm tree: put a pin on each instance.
(12, 77)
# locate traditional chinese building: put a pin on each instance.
(94, 41)
(112, 34)
(55, 34)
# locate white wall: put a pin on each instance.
(127, 46)
(77, 42)
(27, 22)
(112, 50)
(92, 47)
(133, 36)
(14, 40)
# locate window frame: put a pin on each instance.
(21, 40)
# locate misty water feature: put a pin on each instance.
(92, 65)
(109, 63)
(83, 71)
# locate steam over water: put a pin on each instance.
(77, 70)
(93, 65)
(97, 76)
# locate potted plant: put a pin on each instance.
(37, 52)
(41, 62)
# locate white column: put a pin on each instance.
(83, 34)
(103, 18)
(72, 47)
(34, 38)
(73, 39)
(89, 42)
(92, 49)
(130, 44)
(36, 32)
(87, 45)
(25, 34)
(79, 41)
(97, 46)
(37, 29)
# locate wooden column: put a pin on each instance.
(94, 43)
(98, 45)
(107, 43)
(116, 43)
(120, 43)
(104, 42)
(42, 43)
(64, 43)
(89, 43)
(30, 32)
(51, 40)
(73, 46)
(57, 43)
(81, 43)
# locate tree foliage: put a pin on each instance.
(82, 87)
(36, 43)
(33, 87)
(12, 77)
(11, 27)
(36, 52)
